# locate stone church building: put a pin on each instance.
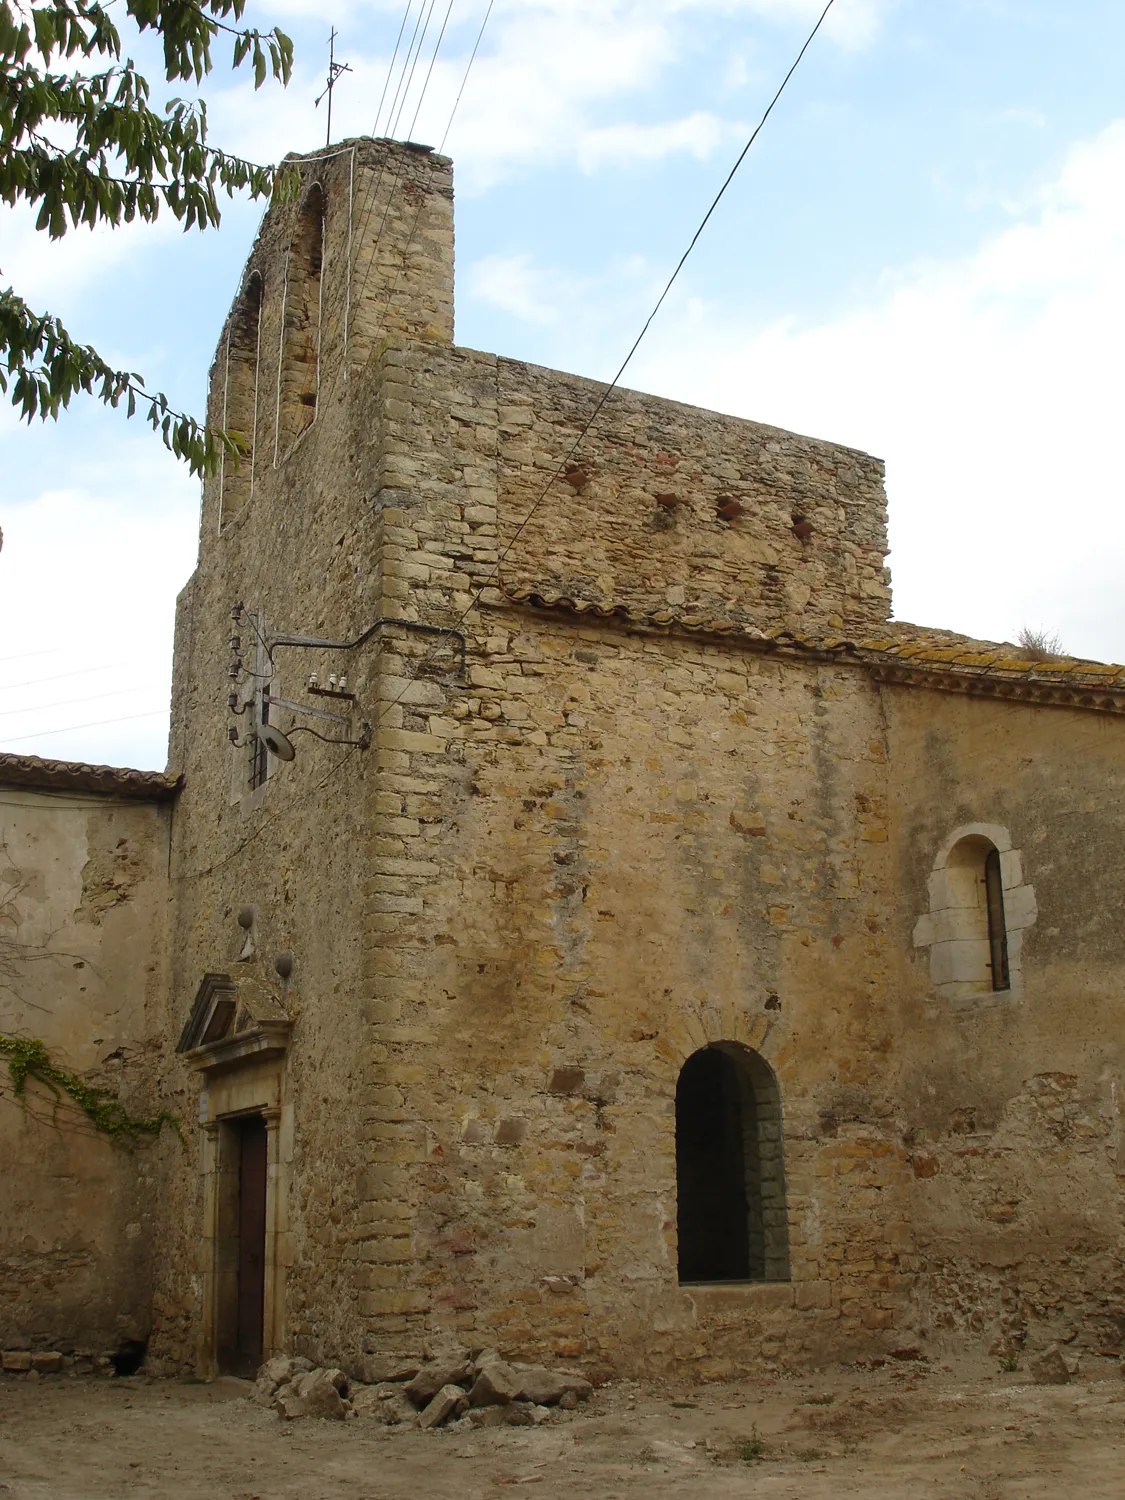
(575, 913)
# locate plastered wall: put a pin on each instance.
(82, 969)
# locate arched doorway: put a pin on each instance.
(730, 1175)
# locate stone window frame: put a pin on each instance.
(956, 931)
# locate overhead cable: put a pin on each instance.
(42, 734)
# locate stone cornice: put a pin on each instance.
(264, 1040)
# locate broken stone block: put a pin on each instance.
(374, 1368)
(543, 1387)
(274, 1374)
(524, 1413)
(496, 1384)
(392, 1410)
(1050, 1367)
(304, 1384)
(450, 1400)
(443, 1345)
(315, 1394)
(47, 1364)
(489, 1416)
(277, 1371)
(17, 1360)
(437, 1373)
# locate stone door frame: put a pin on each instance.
(241, 1076)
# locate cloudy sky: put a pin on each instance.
(923, 256)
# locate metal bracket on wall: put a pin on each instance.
(312, 642)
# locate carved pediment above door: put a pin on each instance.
(212, 1013)
(232, 1019)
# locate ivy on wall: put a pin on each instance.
(28, 1058)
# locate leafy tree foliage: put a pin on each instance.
(86, 147)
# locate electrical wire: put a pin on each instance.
(24, 655)
(107, 666)
(34, 708)
(468, 70)
(406, 64)
(42, 734)
(376, 181)
(430, 69)
(494, 575)
(394, 56)
(413, 66)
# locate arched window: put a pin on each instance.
(300, 343)
(240, 400)
(730, 1175)
(979, 910)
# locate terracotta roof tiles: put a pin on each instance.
(77, 776)
(913, 655)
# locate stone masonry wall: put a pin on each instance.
(666, 507)
(82, 969)
(604, 851)
(303, 550)
(602, 846)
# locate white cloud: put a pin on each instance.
(511, 284)
(697, 134)
(42, 270)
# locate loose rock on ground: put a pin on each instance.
(455, 1386)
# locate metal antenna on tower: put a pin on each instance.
(334, 71)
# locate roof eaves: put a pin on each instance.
(78, 776)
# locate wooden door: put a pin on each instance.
(251, 1244)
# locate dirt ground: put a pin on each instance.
(904, 1430)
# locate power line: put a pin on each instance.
(33, 708)
(391, 67)
(468, 70)
(156, 713)
(429, 70)
(413, 65)
(8, 687)
(494, 575)
(24, 655)
(405, 64)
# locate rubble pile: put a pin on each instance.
(451, 1387)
